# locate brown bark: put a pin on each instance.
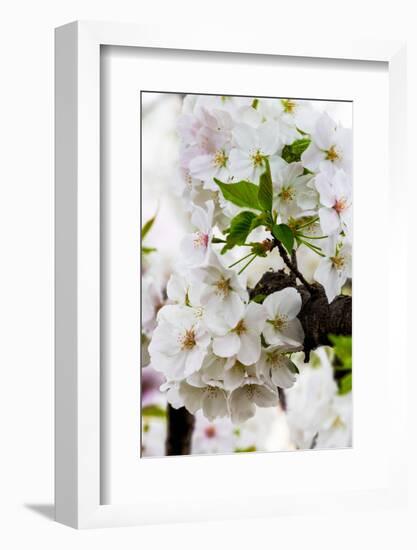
(318, 317)
(179, 431)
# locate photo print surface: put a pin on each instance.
(246, 277)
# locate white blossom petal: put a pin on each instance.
(250, 348)
(227, 345)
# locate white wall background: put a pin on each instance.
(26, 273)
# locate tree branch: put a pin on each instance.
(179, 431)
(317, 316)
(292, 265)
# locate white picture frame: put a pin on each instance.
(77, 242)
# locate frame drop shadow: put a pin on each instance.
(45, 510)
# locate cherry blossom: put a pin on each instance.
(252, 146)
(294, 193)
(223, 294)
(336, 197)
(253, 392)
(221, 351)
(331, 146)
(243, 340)
(335, 268)
(179, 343)
(282, 325)
(276, 367)
(195, 247)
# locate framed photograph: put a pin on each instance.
(227, 322)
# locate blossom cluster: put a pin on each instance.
(251, 168)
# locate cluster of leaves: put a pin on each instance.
(259, 199)
(342, 363)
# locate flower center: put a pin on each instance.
(287, 194)
(340, 205)
(289, 105)
(338, 423)
(279, 322)
(187, 340)
(257, 158)
(210, 431)
(275, 359)
(240, 328)
(338, 262)
(200, 240)
(332, 154)
(223, 286)
(220, 159)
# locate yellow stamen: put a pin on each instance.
(188, 340)
(289, 105)
(332, 154)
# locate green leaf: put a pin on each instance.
(147, 227)
(262, 219)
(242, 193)
(342, 346)
(293, 368)
(265, 190)
(255, 103)
(259, 298)
(345, 384)
(250, 449)
(148, 249)
(293, 152)
(153, 411)
(240, 227)
(284, 234)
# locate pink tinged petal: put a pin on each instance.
(233, 309)
(234, 377)
(329, 221)
(327, 276)
(227, 345)
(264, 396)
(282, 376)
(245, 137)
(255, 317)
(241, 407)
(292, 333)
(191, 396)
(312, 157)
(214, 403)
(250, 348)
